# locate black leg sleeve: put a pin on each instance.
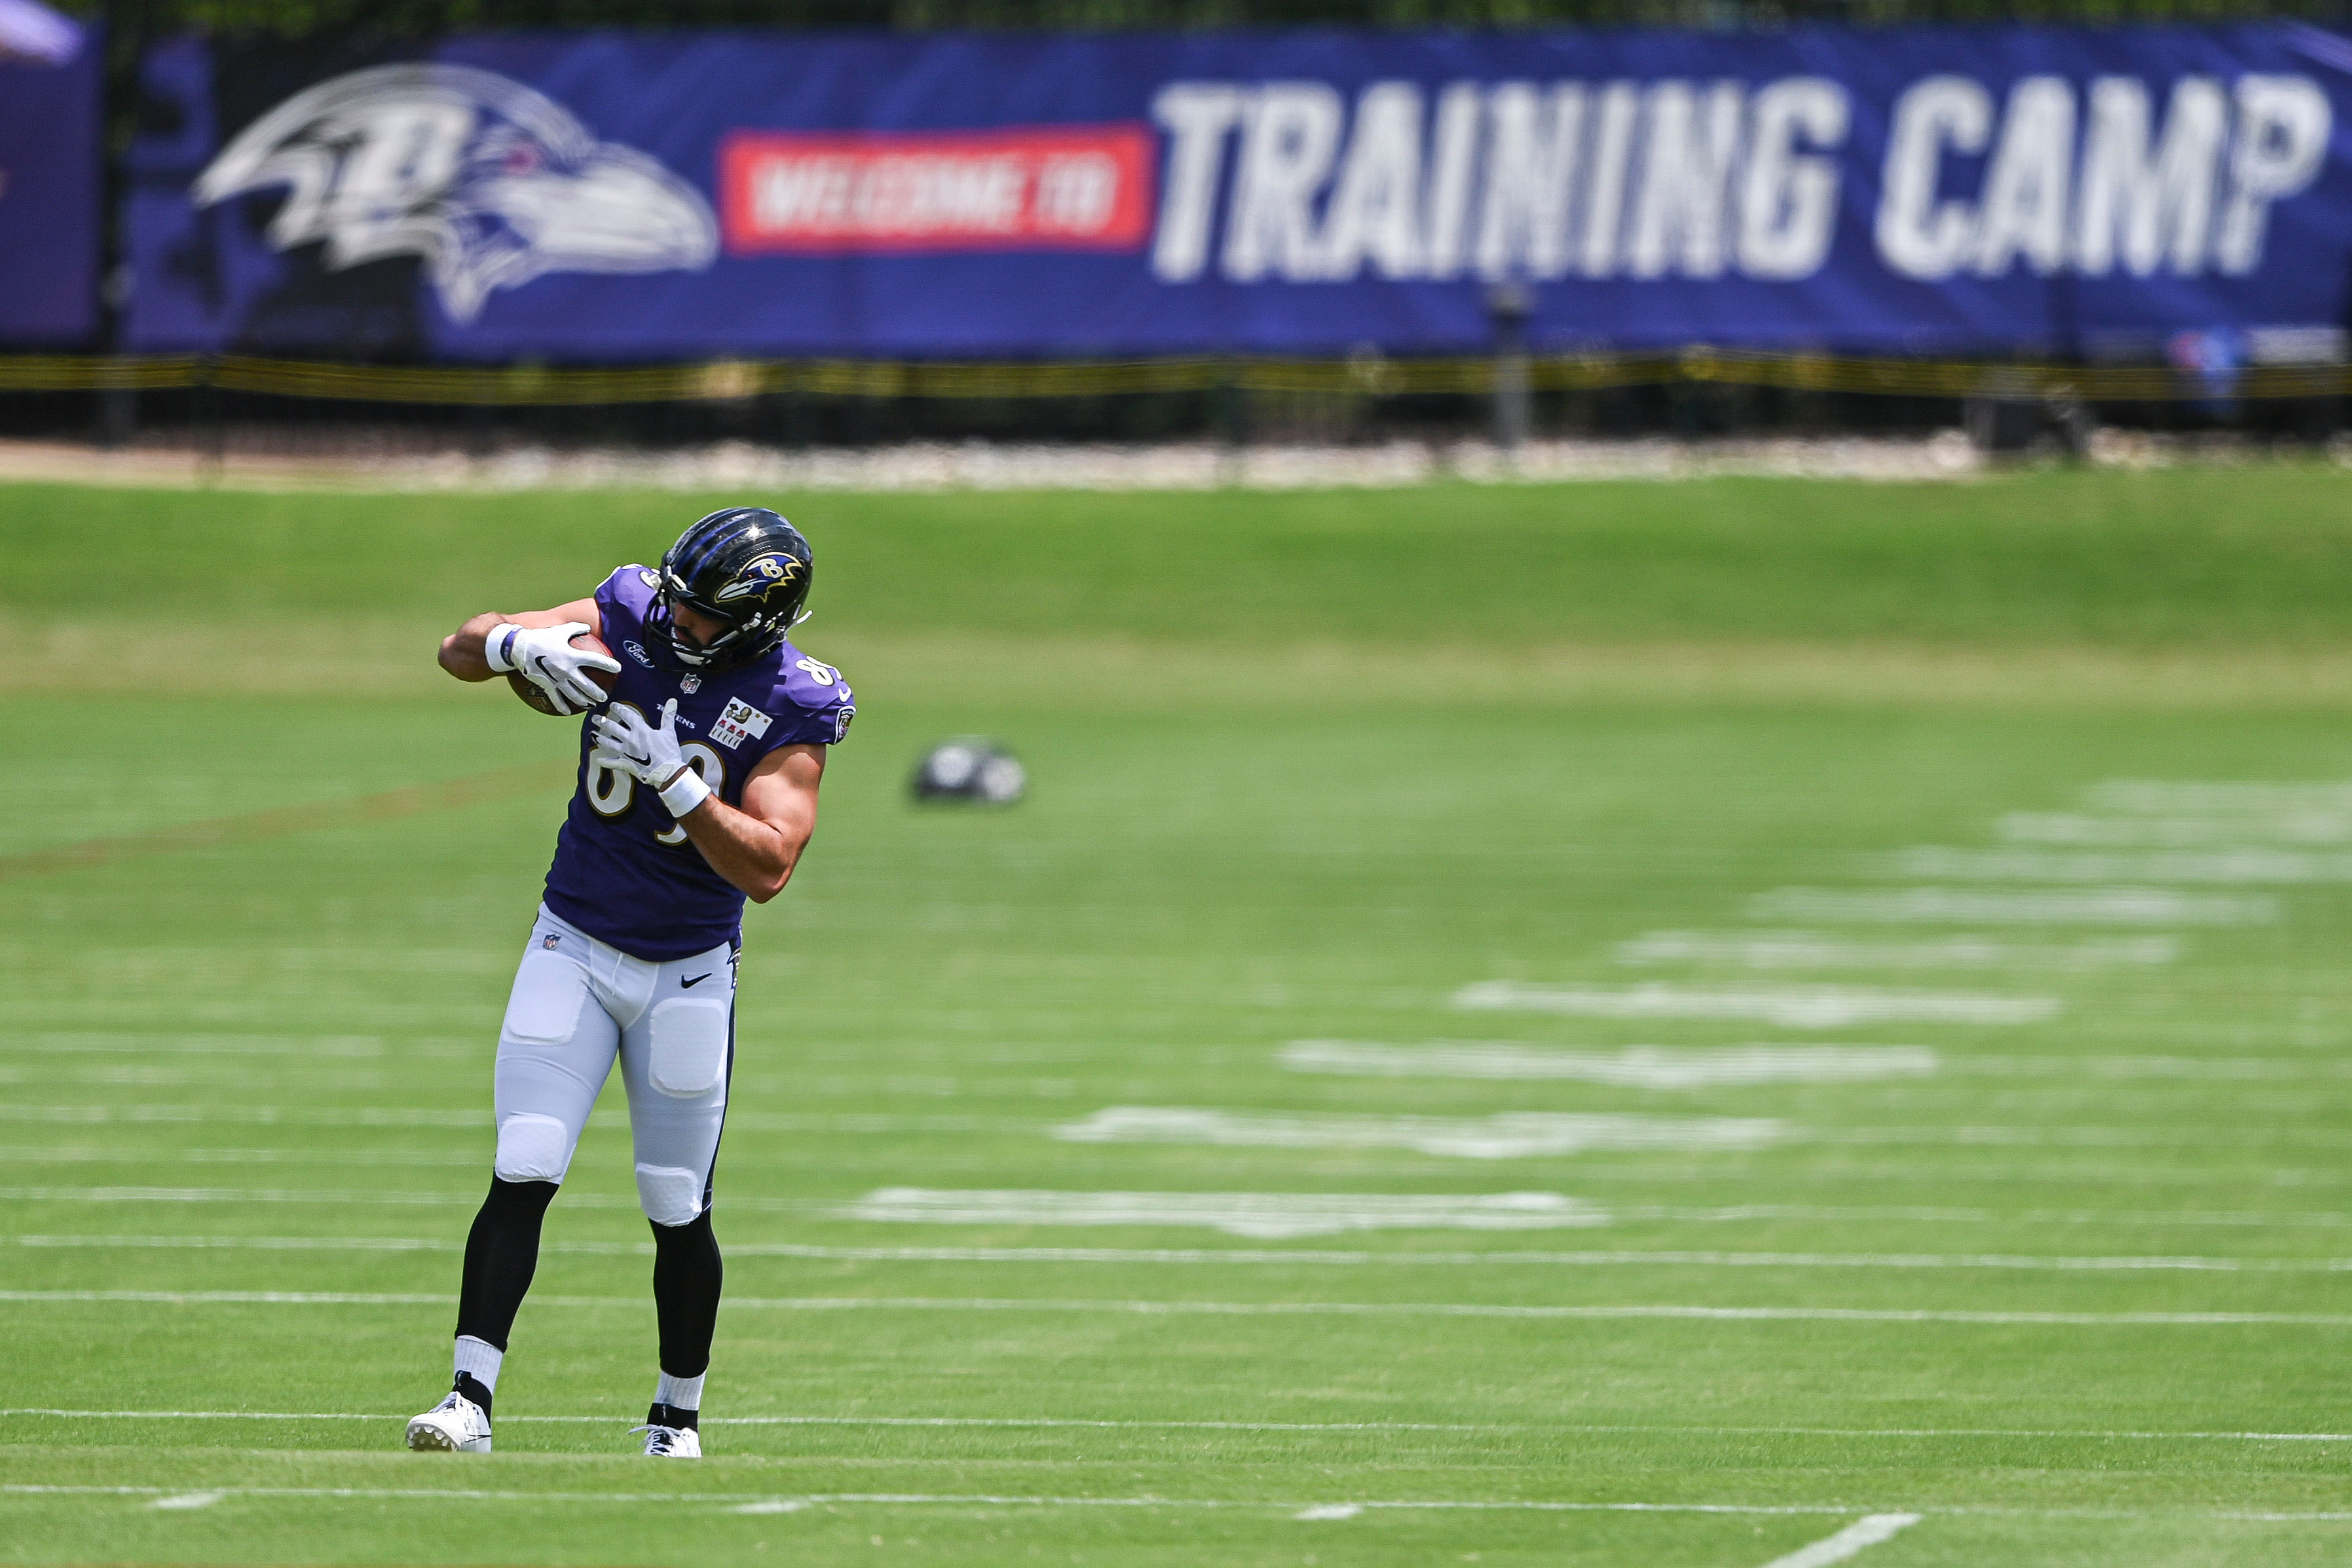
(502, 1255)
(686, 1276)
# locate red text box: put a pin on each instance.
(1082, 187)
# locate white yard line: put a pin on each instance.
(1857, 1537)
(1731, 1214)
(2133, 832)
(84, 1044)
(1312, 1256)
(286, 1243)
(416, 1117)
(2021, 1262)
(190, 959)
(1539, 1131)
(1292, 1507)
(302, 1244)
(617, 1418)
(1533, 1134)
(1791, 1007)
(1923, 1214)
(1675, 1066)
(255, 1115)
(933, 1499)
(1634, 1066)
(2192, 1068)
(1544, 1312)
(270, 1195)
(2057, 1433)
(853, 1121)
(1771, 950)
(251, 1297)
(1257, 1214)
(1939, 1432)
(93, 1154)
(2203, 797)
(2257, 1136)
(2247, 866)
(2055, 1174)
(2261, 1136)
(1241, 1309)
(1971, 906)
(1509, 1136)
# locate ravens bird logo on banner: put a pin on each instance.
(490, 183)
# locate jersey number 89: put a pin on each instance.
(612, 791)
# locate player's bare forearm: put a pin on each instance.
(757, 847)
(745, 850)
(461, 650)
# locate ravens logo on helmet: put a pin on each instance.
(759, 579)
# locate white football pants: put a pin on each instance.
(577, 1004)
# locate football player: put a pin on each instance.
(698, 789)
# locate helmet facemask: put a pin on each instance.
(740, 642)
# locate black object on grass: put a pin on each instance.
(971, 769)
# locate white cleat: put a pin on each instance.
(456, 1426)
(672, 1442)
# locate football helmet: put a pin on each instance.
(745, 566)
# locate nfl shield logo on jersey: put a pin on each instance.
(689, 684)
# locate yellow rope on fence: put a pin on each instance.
(1365, 374)
(67, 373)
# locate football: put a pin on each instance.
(539, 701)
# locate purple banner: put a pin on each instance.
(2126, 193)
(50, 184)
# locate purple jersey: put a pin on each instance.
(624, 872)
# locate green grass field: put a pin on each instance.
(1612, 1025)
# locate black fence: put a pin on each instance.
(277, 408)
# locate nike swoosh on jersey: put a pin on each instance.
(690, 984)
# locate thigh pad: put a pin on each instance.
(685, 1045)
(533, 1148)
(549, 993)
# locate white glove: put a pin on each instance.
(625, 740)
(546, 659)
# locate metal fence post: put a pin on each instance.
(1508, 307)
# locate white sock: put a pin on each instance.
(479, 1359)
(679, 1392)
